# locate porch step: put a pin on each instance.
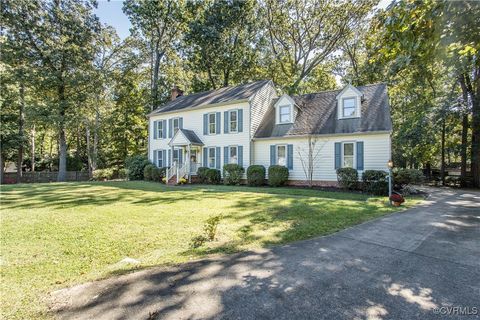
(173, 180)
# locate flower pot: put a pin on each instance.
(396, 203)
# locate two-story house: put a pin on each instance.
(311, 134)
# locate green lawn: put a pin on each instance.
(57, 235)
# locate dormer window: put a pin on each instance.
(349, 108)
(285, 114)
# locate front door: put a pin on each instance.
(193, 160)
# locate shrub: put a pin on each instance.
(157, 174)
(407, 176)
(103, 174)
(209, 232)
(347, 178)
(213, 176)
(277, 175)
(135, 166)
(375, 182)
(232, 174)
(256, 175)
(202, 174)
(122, 173)
(147, 172)
(197, 241)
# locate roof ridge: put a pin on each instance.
(333, 90)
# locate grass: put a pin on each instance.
(60, 234)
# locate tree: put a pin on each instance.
(308, 156)
(159, 25)
(304, 33)
(222, 41)
(59, 37)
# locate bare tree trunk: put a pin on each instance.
(463, 151)
(2, 168)
(442, 173)
(62, 161)
(95, 140)
(476, 140)
(21, 122)
(89, 153)
(32, 150)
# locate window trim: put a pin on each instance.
(214, 157)
(230, 154)
(342, 112)
(230, 121)
(289, 113)
(277, 153)
(159, 158)
(160, 129)
(173, 125)
(354, 156)
(214, 123)
(178, 150)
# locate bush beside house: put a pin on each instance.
(375, 182)
(402, 177)
(135, 166)
(347, 178)
(277, 175)
(232, 174)
(202, 174)
(256, 175)
(213, 176)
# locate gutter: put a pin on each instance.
(156, 113)
(323, 135)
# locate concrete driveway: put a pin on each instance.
(416, 264)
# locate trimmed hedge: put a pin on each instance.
(232, 174)
(375, 182)
(147, 172)
(277, 175)
(407, 176)
(256, 175)
(135, 166)
(213, 176)
(347, 178)
(202, 174)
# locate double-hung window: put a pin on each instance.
(285, 114)
(348, 155)
(176, 125)
(212, 123)
(349, 107)
(233, 156)
(160, 158)
(282, 155)
(176, 155)
(211, 157)
(233, 120)
(160, 130)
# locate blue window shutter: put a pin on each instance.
(164, 158)
(240, 120)
(338, 155)
(217, 122)
(164, 129)
(155, 126)
(169, 160)
(205, 157)
(290, 156)
(205, 124)
(360, 155)
(180, 156)
(217, 157)
(180, 122)
(240, 155)
(225, 155)
(170, 127)
(155, 159)
(272, 155)
(225, 122)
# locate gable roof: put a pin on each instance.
(189, 135)
(222, 95)
(318, 115)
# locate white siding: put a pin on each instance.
(260, 103)
(348, 93)
(193, 120)
(376, 154)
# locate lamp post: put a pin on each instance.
(390, 166)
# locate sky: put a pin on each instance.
(110, 12)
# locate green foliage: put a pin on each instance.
(122, 173)
(375, 182)
(158, 174)
(103, 174)
(347, 178)
(209, 232)
(135, 166)
(232, 174)
(202, 174)
(277, 175)
(213, 176)
(407, 176)
(256, 175)
(147, 172)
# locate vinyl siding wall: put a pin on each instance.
(376, 154)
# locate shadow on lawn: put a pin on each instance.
(136, 192)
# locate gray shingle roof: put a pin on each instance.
(318, 115)
(191, 136)
(225, 94)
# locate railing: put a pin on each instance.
(171, 172)
(182, 171)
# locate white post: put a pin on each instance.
(166, 176)
(178, 172)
